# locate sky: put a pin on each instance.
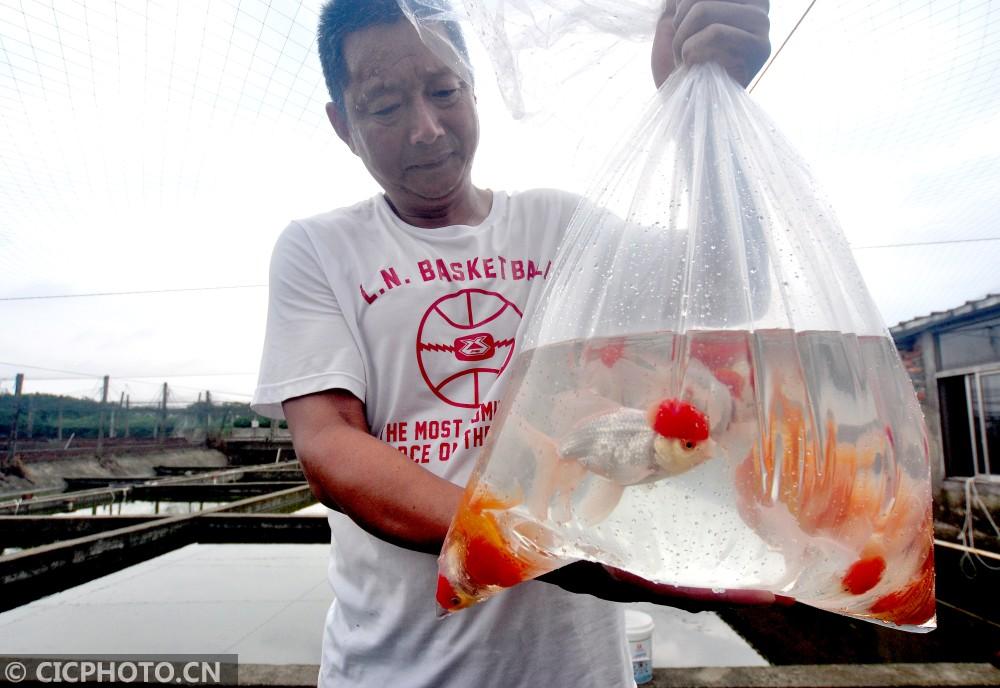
(151, 153)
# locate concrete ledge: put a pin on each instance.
(202, 492)
(219, 528)
(40, 571)
(279, 675)
(828, 676)
(262, 528)
(35, 531)
(799, 676)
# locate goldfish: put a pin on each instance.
(624, 446)
(823, 486)
(630, 446)
(480, 560)
(835, 493)
(607, 435)
(913, 604)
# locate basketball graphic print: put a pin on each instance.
(465, 340)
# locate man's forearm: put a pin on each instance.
(380, 489)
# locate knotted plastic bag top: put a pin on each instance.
(537, 47)
(706, 395)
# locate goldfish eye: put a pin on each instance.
(689, 444)
(455, 601)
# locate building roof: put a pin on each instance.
(967, 310)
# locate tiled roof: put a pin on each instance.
(911, 327)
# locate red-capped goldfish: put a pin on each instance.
(630, 446)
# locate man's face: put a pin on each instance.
(410, 119)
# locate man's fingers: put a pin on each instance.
(697, 599)
(733, 33)
(682, 8)
(745, 53)
(704, 14)
(740, 597)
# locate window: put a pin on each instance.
(970, 423)
(970, 345)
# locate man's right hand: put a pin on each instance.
(733, 33)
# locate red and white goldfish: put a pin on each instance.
(630, 446)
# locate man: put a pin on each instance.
(387, 323)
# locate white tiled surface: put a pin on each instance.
(266, 603)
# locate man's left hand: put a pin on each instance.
(616, 585)
(694, 599)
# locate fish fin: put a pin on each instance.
(547, 469)
(599, 499)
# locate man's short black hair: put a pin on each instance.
(340, 18)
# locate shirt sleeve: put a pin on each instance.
(308, 344)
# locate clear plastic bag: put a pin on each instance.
(706, 395)
(538, 47)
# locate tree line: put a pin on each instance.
(49, 416)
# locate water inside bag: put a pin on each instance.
(788, 461)
(704, 393)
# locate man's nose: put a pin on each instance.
(426, 125)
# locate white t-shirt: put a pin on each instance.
(419, 324)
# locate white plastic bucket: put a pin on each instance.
(639, 629)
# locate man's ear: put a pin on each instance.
(339, 121)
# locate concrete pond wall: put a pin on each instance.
(48, 473)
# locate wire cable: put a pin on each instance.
(781, 47)
(49, 370)
(926, 243)
(132, 292)
(179, 290)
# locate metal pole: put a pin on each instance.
(12, 442)
(115, 410)
(163, 415)
(30, 430)
(100, 423)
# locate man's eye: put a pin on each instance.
(445, 93)
(385, 111)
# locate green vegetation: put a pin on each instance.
(39, 417)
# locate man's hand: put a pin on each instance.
(613, 584)
(733, 33)
(694, 599)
